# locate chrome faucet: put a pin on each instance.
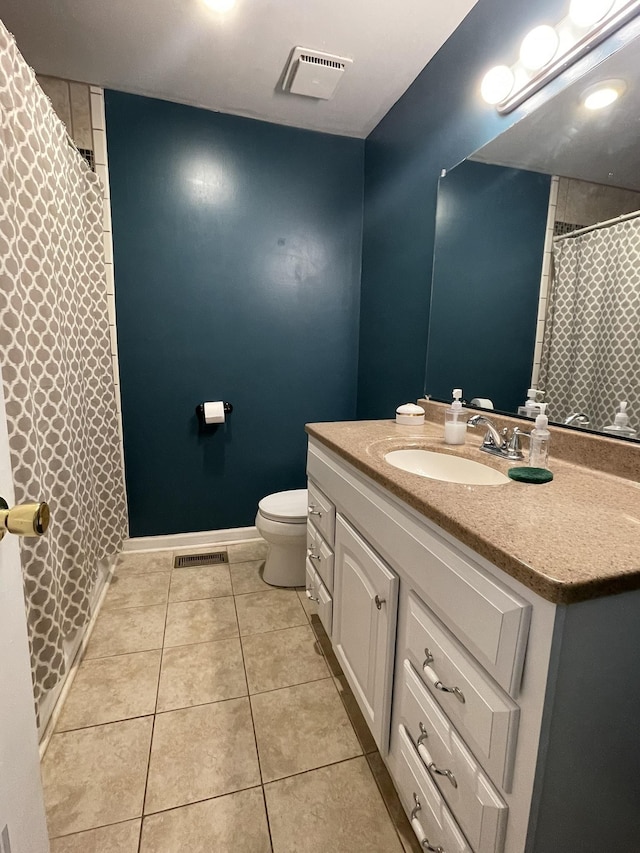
(578, 419)
(499, 443)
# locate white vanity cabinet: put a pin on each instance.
(364, 626)
(467, 676)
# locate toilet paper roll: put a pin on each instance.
(214, 412)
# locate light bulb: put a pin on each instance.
(603, 94)
(586, 13)
(539, 47)
(220, 5)
(497, 84)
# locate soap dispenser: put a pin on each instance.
(531, 408)
(620, 425)
(455, 428)
(539, 443)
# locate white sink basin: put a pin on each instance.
(444, 466)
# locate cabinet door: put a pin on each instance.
(365, 606)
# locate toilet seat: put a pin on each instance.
(289, 507)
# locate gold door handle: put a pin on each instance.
(24, 520)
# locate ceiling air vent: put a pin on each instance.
(313, 73)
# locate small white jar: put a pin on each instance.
(409, 414)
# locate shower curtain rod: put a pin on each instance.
(598, 225)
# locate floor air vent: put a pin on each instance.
(213, 558)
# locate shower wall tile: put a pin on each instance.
(97, 111)
(555, 199)
(81, 115)
(58, 93)
(110, 279)
(100, 146)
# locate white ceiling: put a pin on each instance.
(180, 50)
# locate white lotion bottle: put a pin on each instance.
(539, 443)
(531, 408)
(620, 425)
(455, 428)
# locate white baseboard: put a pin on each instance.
(52, 707)
(190, 540)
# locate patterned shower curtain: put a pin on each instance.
(592, 333)
(56, 364)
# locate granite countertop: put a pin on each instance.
(570, 540)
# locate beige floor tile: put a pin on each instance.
(362, 730)
(119, 838)
(141, 562)
(236, 823)
(201, 752)
(134, 629)
(252, 549)
(247, 577)
(200, 621)
(394, 806)
(310, 607)
(93, 777)
(137, 590)
(202, 673)
(282, 658)
(302, 727)
(336, 808)
(110, 689)
(201, 582)
(269, 611)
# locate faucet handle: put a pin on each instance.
(514, 451)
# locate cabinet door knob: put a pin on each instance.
(25, 519)
(379, 602)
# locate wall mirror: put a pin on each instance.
(536, 274)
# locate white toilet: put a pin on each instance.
(282, 521)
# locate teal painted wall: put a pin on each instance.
(237, 248)
(438, 122)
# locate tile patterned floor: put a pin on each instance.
(210, 714)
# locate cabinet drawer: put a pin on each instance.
(321, 556)
(318, 593)
(486, 717)
(478, 807)
(430, 817)
(322, 513)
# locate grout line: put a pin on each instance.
(202, 800)
(93, 828)
(153, 726)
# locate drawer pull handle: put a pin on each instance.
(312, 597)
(419, 831)
(430, 764)
(314, 511)
(424, 734)
(314, 557)
(379, 602)
(435, 680)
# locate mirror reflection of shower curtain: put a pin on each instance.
(56, 365)
(590, 354)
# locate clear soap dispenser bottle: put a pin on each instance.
(531, 408)
(455, 428)
(620, 425)
(539, 443)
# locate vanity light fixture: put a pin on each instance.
(547, 51)
(586, 13)
(539, 47)
(220, 5)
(603, 94)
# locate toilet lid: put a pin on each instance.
(285, 506)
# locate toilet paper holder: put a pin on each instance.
(228, 408)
